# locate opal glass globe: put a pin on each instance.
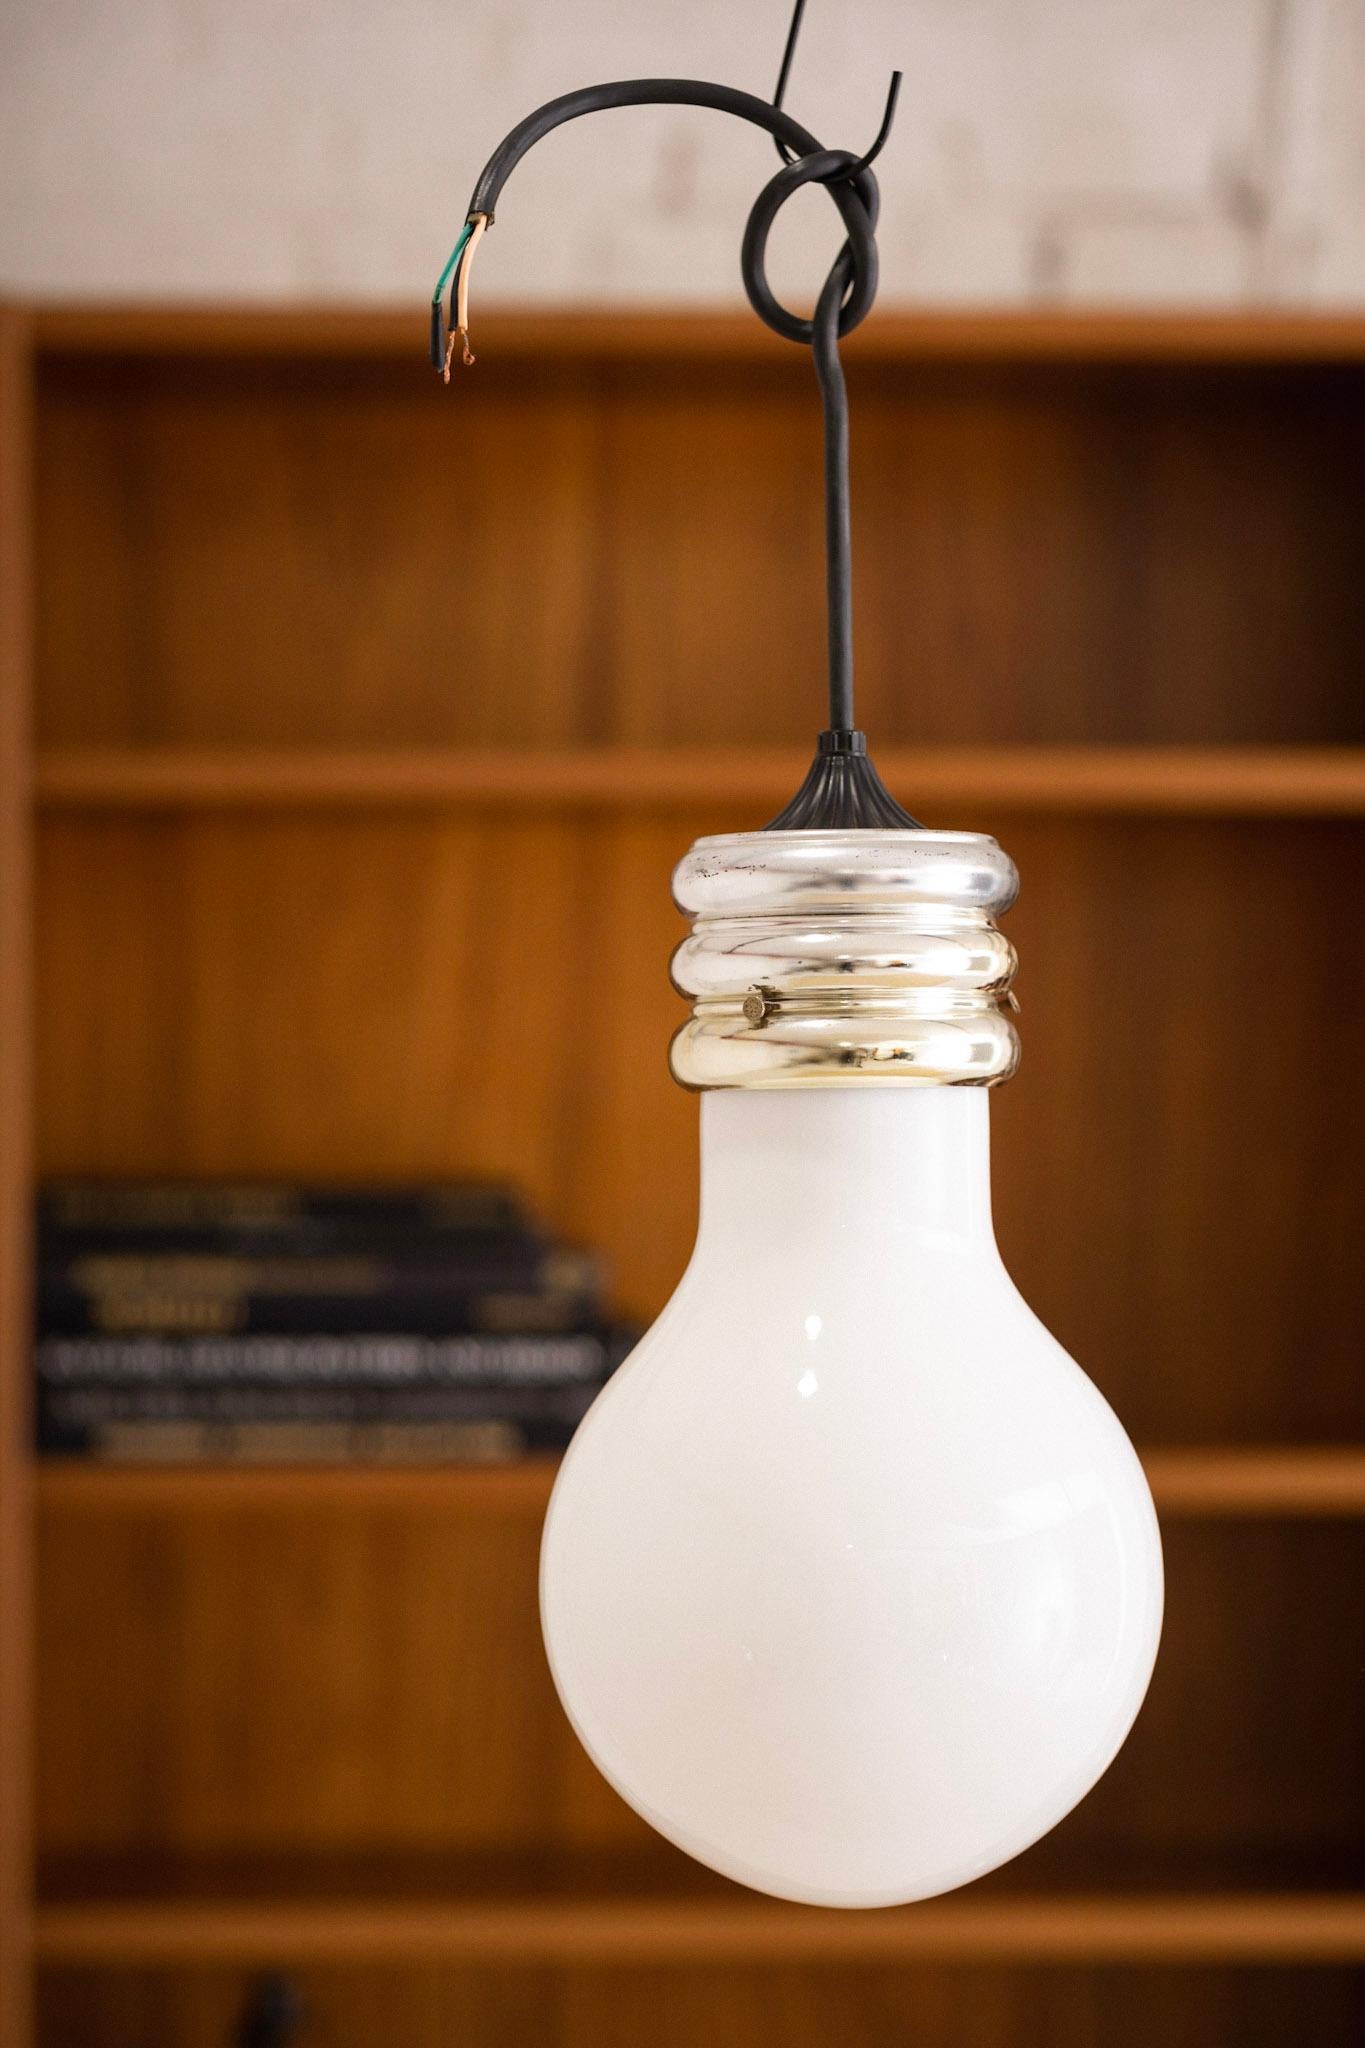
(851, 1581)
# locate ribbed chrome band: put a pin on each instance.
(820, 958)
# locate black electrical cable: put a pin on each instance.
(841, 173)
(846, 190)
(843, 788)
(838, 508)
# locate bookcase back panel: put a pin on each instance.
(320, 1677)
(766, 2007)
(433, 994)
(576, 551)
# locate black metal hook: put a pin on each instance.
(893, 94)
(789, 155)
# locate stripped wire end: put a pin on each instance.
(442, 341)
(446, 333)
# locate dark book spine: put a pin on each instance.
(71, 1418)
(164, 1211)
(530, 1292)
(307, 1238)
(385, 1362)
(318, 1443)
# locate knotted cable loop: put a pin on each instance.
(853, 188)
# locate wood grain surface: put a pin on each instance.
(564, 551)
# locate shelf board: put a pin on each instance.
(606, 333)
(1174, 781)
(83, 1486)
(1269, 1482)
(646, 1902)
(1243, 1927)
(1213, 1484)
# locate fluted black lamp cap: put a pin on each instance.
(843, 793)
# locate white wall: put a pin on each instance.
(1048, 150)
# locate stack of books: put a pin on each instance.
(214, 1321)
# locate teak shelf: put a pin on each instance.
(1168, 1929)
(1143, 781)
(283, 896)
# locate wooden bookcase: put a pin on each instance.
(284, 893)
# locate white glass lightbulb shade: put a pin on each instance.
(851, 1581)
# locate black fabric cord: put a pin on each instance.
(845, 300)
